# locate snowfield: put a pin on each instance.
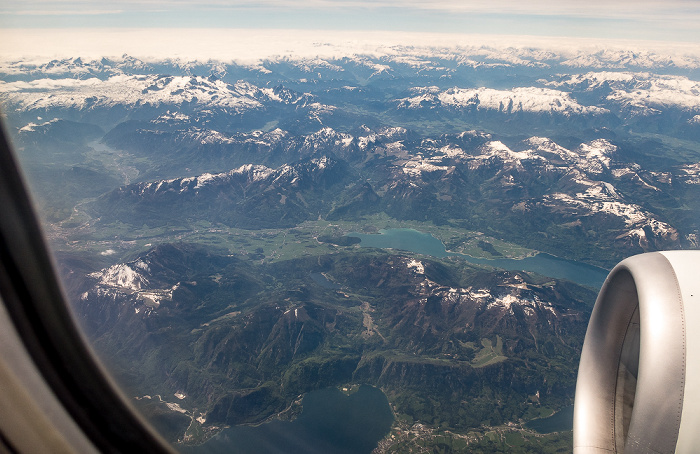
(521, 99)
(132, 91)
(643, 90)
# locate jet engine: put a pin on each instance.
(638, 386)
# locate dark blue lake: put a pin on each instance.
(558, 422)
(330, 423)
(542, 263)
(323, 281)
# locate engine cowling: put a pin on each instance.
(638, 385)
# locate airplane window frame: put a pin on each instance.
(36, 303)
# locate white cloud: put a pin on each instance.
(673, 20)
(249, 46)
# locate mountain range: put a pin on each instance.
(200, 212)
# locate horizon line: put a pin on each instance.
(226, 44)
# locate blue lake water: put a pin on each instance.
(330, 423)
(558, 422)
(542, 263)
(323, 281)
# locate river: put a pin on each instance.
(424, 243)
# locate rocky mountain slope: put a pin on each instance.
(242, 341)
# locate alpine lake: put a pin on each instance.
(545, 264)
(331, 422)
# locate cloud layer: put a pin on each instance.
(673, 20)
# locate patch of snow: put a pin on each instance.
(322, 162)
(255, 172)
(142, 265)
(640, 90)
(519, 99)
(624, 171)
(417, 266)
(690, 173)
(121, 275)
(597, 155)
(481, 293)
(452, 151)
(170, 117)
(417, 166)
(599, 199)
(505, 302)
(544, 144)
(131, 91)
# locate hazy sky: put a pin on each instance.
(672, 20)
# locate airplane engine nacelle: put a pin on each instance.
(638, 386)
